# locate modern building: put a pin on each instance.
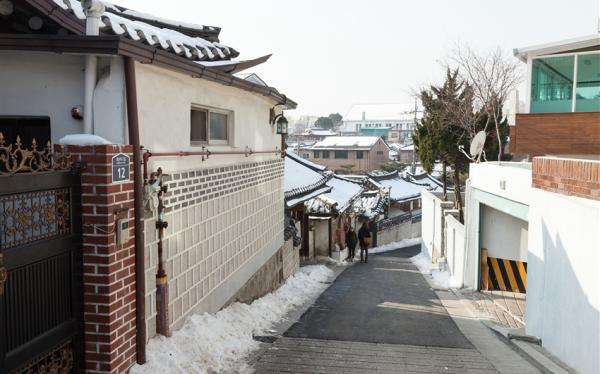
(349, 154)
(393, 122)
(562, 108)
(201, 219)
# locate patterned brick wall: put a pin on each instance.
(109, 269)
(220, 219)
(567, 176)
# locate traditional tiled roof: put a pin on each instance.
(341, 197)
(402, 189)
(347, 142)
(175, 37)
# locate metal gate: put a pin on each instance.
(40, 267)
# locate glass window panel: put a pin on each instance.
(359, 154)
(218, 126)
(587, 93)
(552, 84)
(341, 154)
(198, 126)
(325, 154)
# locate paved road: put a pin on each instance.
(386, 300)
(380, 317)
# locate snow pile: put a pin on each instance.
(209, 343)
(395, 245)
(441, 279)
(83, 139)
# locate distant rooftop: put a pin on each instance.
(392, 111)
(347, 142)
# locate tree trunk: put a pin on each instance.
(498, 136)
(457, 195)
(445, 180)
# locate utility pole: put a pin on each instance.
(413, 168)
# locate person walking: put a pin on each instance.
(351, 240)
(364, 237)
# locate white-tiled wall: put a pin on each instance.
(224, 222)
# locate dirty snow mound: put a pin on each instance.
(217, 343)
(441, 279)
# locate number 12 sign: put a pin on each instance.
(120, 168)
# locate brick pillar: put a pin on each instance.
(109, 268)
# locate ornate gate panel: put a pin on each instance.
(40, 272)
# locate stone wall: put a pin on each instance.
(404, 230)
(225, 223)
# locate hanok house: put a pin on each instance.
(349, 154)
(177, 208)
(303, 181)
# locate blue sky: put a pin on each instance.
(328, 55)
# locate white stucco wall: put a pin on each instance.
(405, 230)
(165, 99)
(504, 236)
(563, 285)
(432, 225)
(510, 180)
(42, 84)
(227, 212)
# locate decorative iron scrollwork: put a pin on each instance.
(32, 216)
(15, 159)
(3, 274)
(57, 361)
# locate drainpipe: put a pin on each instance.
(140, 278)
(93, 9)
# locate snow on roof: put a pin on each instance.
(121, 21)
(342, 195)
(561, 46)
(409, 147)
(391, 111)
(305, 162)
(320, 132)
(298, 179)
(252, 77)
(427, 180)
(347, 142)
(370, 205)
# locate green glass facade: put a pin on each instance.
(587, 94)
(555, 79)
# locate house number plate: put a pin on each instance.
(120, 168)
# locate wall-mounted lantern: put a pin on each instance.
(282, 125)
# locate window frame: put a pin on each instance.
(230, 114)
(325, 154)
(335, 154)
(362, 155)
(575, 77)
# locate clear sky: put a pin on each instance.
(328, 55)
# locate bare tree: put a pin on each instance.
(491, 76)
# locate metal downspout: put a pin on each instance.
(140, 278)
(93, 9)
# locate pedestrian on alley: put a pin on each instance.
(364, 237)
(351, 241)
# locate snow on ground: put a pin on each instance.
(393, 246)
(441, 279)
(217, 343)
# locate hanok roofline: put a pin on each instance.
(129, 37)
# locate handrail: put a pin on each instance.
(205, 153)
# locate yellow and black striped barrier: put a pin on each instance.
(502, 274)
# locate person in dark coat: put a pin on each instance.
(364, 238)
(351, 241)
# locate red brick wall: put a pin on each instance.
(567, 176)
(109, 269)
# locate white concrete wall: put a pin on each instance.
(455, 247)
(165, 99)
(321, 237)
(42, 84)
(510, 180)
(563, 285)
(503, 235)
(432, 226)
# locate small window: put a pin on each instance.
(325, 154)
(305, 155)
(379, 153)
(359, 154)
(316, 154)
(341, 154)
(209, 126)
